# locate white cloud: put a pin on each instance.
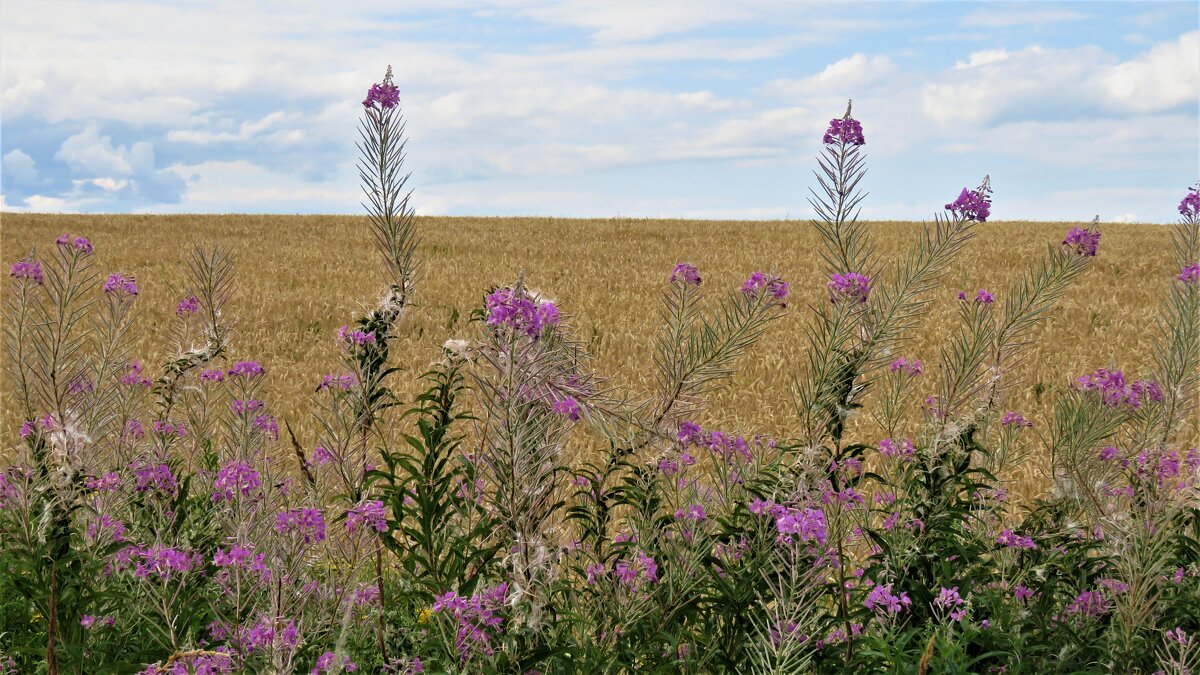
(1166, 76)
(845, 77)
(999, 16)
(640, 20)
(18, 167)
(1039, 82)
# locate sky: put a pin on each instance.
(601, 109)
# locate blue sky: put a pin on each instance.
(674, 109)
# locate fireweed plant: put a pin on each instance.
(166, 520)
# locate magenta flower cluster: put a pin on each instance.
(384, 94)
(369, 515)
(477, 619)
(236, 477)
(849, 287)
(355, 337)
(686, 273)
(568, 407)
(27, 269)
(846, 130)
(118, 284)
(1084, 242)
(188, 305)
(308, 524)
(1190, 274)
(79, 244)
(520, 312)
(1115, 393)
(1190, 206)
(892, 449)
(775, 288)
(246, 369)
(1015, 419)
(982, 297)
(881, 600)
(971, 205)
(903, 365)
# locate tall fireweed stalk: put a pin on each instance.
(164, 518)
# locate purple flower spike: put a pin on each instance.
(846, 130)
(776, 288)
(119, 285)
(1190, 206)
(971, 205)
(385, 94)
(188, 305)
(851, 286)
(27, 269)
(567, 407)
(686, 273)
(1189, 275)
(1085, 242)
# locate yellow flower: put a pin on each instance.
(424, 614)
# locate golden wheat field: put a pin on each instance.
(301, 277)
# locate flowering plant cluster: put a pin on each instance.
(157, 521)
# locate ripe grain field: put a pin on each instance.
(301, 277)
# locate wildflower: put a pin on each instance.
(1085, 242)
(109, 482)
(364, 595)
(636, 572)
(246, 369)
(807, 524)
(163, 561)
(331, 662)
(1178, 636)
(80, 244)
(240, 557)
(212, 375)
(1190, 206)
(87, 621)
(846, 130)
(695, 512)
(385, 94)
(567, 407)
(236, 476)
(1089, 604)
(1011, 540)
(308, 523)
(334, 381)
(1021, 593)
(522, 313)
(775, 287)
(188, 305)
(688, 432)
(156, 477)
(903, 365)
(1190, 274)
(1115, 393)
(105, 523)
(477, 619)
(851, 286)
(355, 337)
(368, 514)
(888, 448)
(686, 273)
(27, 429)
(321, 456)
(982, 297)
(1108, 453)
(881, 600)
(134, 377)
(164, 428)
(269, 425)
(949, 599)
(971, 205)
(118, 284)
(1015, 419)
(27, 269)
(242, 407)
